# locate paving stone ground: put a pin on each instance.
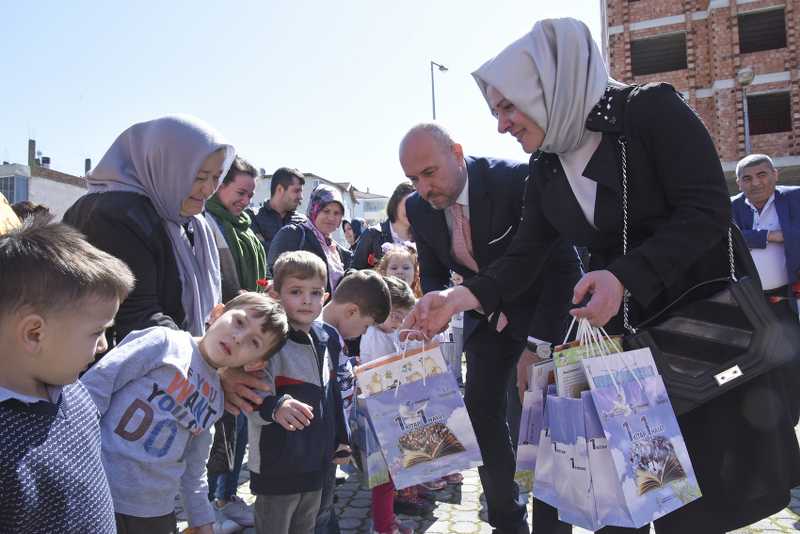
(460, 510)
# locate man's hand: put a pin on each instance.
(240, 389)
(294, 415)
(339, 458)
(527, 359)
(431, 314)
(204, 529)
(775, 236)
(606, 291)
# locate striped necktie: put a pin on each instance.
(462, 238)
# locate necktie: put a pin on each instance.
(462, 238)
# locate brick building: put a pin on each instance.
(719, 53)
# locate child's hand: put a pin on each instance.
(342, 455)
(294, 415)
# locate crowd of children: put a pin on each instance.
(112, 450)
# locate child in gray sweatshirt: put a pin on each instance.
(158, 393)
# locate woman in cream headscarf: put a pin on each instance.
(8, 219)
(550, 90)
(144, 204)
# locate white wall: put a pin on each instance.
(55, 195)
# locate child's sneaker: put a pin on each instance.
(407, 504)
(434, 485)
(454, 479)
(239, 511)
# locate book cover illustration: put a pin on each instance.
(569, 375)
(424, 430)
(649, 453)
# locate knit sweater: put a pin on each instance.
(157, 399)
(51, 472)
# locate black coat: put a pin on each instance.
(742, 444)
(496, 188)
(297, 237)
(268, 222)
(127, 226)
(370, 243)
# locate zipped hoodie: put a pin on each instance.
(283, 462)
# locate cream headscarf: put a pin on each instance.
(555, 75)
(8, 219)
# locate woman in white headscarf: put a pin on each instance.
(144, 204)
(551, 91)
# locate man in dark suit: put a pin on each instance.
(464, 215)
(769, 217)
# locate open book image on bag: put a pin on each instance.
(654, 462)
(428, 443)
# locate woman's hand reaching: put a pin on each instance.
(606, 291)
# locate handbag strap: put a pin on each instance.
(623, 144)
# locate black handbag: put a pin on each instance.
(718, 335)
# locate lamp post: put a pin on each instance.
(745, 77)
(441, 68)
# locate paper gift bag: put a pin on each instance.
(543, 483)
(652, 464)
(532, 422)
(609, 501)
(366, 449)
(419, 416)
(571, 476)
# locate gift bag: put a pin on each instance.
(570, 378)
(367, 452)
(571, 477)
(608, 498)
(543, 484)
(532, 422)
(419, 417)
(652, 465)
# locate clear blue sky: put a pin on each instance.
(327, 87)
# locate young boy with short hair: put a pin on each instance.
(58, 294)
(158, 393)
(298, 430)
(361, 300)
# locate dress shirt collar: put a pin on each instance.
(54, 392)
(769, 202)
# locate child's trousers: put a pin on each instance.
(287, 514)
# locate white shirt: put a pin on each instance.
(574, 163)
(54, 392)
(463, 199)
(376, 343)
(770, 261)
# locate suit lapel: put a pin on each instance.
(745, 213)
(480, 211)
(782, 207)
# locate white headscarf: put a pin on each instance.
(160, 159)
(555, 75)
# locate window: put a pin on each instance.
(7, 187)
(769, 113)
(658, 54)
(764, 30)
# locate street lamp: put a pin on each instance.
(745, 77)
(441, 68)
